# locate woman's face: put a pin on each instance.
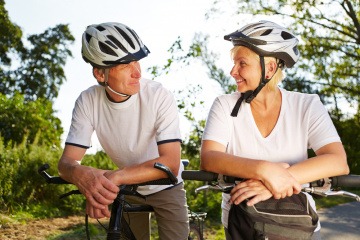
(246, 70)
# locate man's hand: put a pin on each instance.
(98, 190)
(96, 212)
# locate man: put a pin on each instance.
(136, 122)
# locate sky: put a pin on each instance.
(158, 23)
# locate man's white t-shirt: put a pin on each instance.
(303, 124)
(130, 131)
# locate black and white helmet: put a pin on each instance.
(110, 44)
(267, 39)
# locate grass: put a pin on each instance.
(79, 233)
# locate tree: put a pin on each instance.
(27, 91)
(10, 36)
(30, 121)
(41, 73)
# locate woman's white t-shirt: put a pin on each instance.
(303, 124)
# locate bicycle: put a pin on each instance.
(118, 228)
(324, 187)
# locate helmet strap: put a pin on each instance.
(107, 85)
(248, 96)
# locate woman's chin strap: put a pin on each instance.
(248, 96)
(112, 90)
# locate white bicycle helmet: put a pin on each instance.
(110, 44)
(267, 39)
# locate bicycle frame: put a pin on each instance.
(117, 225)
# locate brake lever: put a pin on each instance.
(325, 190)
(217, 187)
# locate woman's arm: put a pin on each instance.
(330, 160)
(274, 176)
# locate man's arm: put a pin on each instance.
(169, 155)
(91, 182)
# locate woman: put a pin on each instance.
(262, 132)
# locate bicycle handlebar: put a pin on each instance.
(199, 175)
(338, 181)
(48, 178)
(350, 181)
(171, 180)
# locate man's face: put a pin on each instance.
(125, 78)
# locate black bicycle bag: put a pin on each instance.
(287, 218)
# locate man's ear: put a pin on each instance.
(99, 74)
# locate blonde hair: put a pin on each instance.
(277, 77)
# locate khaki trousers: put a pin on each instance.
(171, 214)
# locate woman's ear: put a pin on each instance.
(271, 68)
(99, 74)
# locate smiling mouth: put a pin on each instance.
(240, 81)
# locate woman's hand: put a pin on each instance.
(251, 189)
(279, 181)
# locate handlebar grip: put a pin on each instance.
(48, 178)
(43, 168)
(199, 175)
(346, 181)
(162, 181)
(58, 180)
(173, 179)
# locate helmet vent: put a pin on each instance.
(135, 36)
(296, 50)
(106, 49)
(117, 43)
(125, 36)
(267, 32)
(286, 35)
(100, 28)
(88, 37)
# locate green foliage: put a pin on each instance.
(197, 51)
(30, 78)
(349, 131)
(33, 121)
(99, 160)
(22, 189)
(40, 73)
(10, 37)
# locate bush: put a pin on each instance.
(23, 189)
